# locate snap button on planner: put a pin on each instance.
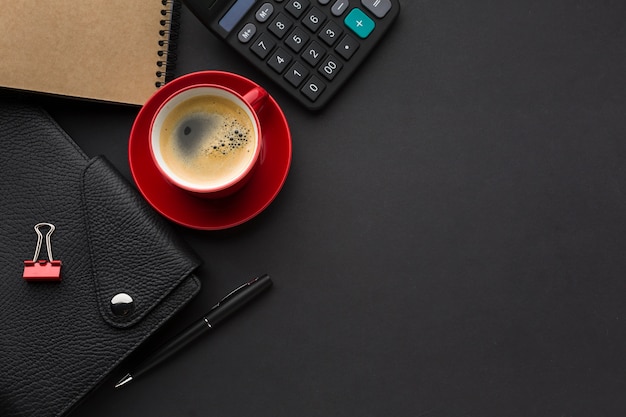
(122, 304)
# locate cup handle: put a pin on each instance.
(256, 98)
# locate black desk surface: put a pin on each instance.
(450, 241)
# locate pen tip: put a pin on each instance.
(125, 380)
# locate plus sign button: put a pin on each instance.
(359, 23)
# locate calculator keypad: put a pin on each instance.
(312, 45)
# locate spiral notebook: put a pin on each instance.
(114, 50)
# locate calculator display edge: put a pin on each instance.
(210, 16)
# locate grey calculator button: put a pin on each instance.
(380, 8)
(323, 1)
(264, 12)
(340, 7)
(246, 34)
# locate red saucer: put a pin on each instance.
(207, 214)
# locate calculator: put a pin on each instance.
(308, 47)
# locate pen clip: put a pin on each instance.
(237, 290)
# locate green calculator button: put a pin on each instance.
(359, 23)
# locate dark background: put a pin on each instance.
(450, 240)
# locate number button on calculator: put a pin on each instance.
(297, 39)
(280, 25)
(308, 47)
(297, 7)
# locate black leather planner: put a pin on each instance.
(123, 272)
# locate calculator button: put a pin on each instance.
(263, 45)
(296, 74)
(359, 23)
(314, 19)
(313, 88)
(379, 8)
(264, 12)
(279, 60)
(323, 1)
(280, 25)
(340, 7)
(246, 34)
(330, 33)
(347, 47)
(313, 53)
(297, 39)
(297, 7)
(330, 67)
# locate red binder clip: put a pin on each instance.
(42, 270)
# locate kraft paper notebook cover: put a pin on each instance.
(114, 50)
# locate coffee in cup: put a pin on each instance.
(206, 139)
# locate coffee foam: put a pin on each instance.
(207, 140)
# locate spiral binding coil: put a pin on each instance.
(168, 41)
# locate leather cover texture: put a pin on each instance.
(58, 340)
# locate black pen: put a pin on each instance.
(220, 311)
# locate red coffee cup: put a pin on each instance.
(206, 139)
